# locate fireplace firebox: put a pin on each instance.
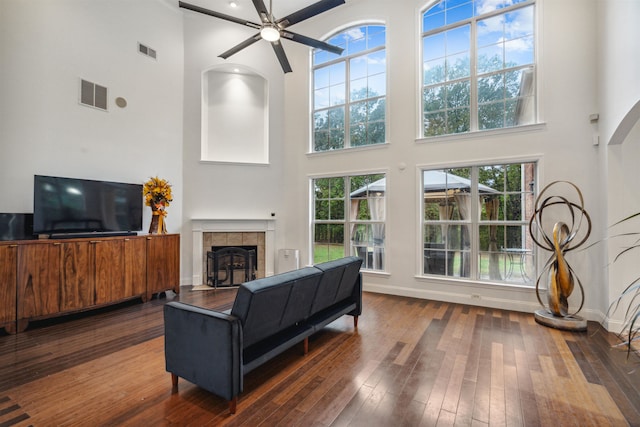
(231, 265)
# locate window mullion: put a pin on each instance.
(347, 216)
(474, 227)
(347, 104)
(473, 102)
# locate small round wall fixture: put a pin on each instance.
(121, 102)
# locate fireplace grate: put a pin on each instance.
(231, 265)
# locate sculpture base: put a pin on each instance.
(574, 323)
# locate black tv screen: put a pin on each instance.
(72, 206)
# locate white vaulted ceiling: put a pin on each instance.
(246, 10)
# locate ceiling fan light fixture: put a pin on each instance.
(270, 33)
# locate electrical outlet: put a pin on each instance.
(475, 296)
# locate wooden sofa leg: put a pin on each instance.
(355, 322)
(174, 383)
(232, 405)
(306, 345)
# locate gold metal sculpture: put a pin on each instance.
(561, 277)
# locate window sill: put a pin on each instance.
(232, 163)
(375, 273)
(483, 133)
(347, 150)
(475, 283)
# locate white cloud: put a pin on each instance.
(354, 33)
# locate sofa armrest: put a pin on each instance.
(204, 347)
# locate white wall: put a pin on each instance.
(619, 127)
(624, 200)
(228, 191)
(563, 145)
(619, 67)
(46, 47)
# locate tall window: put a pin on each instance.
(476, 223)
(349, 218)
(349, 91)
(478, 66)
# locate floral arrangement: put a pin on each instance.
(157, 193)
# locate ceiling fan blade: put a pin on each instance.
(202, 10)
(308, 41)
(262, 10)
(307, 12)
(282, 57)
(239, 47)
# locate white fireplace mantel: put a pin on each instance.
(201, 226)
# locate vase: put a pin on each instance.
(157, 225)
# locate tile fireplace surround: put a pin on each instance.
(201, 226)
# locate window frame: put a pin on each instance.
(474, 75)
(475, 222)
(350, 245)
(346, 59)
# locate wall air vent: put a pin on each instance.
(93, 95)
(146, 50)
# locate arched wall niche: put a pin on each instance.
(235, 116)
(626, 124)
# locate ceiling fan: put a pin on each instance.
(273, 30)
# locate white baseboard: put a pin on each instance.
(479, 301)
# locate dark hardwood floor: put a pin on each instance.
(411, 362)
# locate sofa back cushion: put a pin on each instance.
(337, 283)
(269, 305)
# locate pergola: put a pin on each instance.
(448, 190)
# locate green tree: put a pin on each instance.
(446, 102)
(366, 122)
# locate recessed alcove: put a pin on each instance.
(235, 116)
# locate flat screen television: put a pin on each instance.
(72, 207)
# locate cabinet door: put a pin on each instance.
(135, 267)
(163, 263)
(109, 270)
(38, 280)
(8, 277)
(77, 286)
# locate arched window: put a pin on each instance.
(478, 66)
(349, 91)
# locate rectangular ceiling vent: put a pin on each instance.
(147, 51)
(93, 95)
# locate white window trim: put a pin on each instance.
(538, 159)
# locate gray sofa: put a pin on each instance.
(216, 349)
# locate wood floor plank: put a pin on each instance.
(497, 397)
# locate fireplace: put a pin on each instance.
(233, 232)
(231, 265)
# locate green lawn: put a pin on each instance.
(323, 252)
